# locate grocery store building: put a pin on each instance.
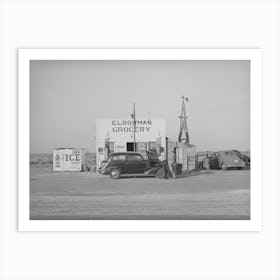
(117, 135)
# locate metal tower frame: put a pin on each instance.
(184, 132)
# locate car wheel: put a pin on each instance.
(115, 173)
(160, 173)
(224, 167)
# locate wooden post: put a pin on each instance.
(166, 159)
(166, 148)
(134, 129)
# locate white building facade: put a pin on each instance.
(119, 135)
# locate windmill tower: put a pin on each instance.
(184, 132)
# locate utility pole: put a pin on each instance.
(184, 132)
(134, 127)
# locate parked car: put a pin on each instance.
(131, 164)
(223, 160)
(245, 158)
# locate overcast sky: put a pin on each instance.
(66, 97)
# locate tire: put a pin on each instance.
(160, 173)
(224, 167)
(115, 173)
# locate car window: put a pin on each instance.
(134, 158)
(118, 158)
(143, 154)
(228, 153)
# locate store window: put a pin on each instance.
(141, 146)
(153, 146)
(134, 158)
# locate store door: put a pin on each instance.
(130, 147)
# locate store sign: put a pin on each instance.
(128, 126)
(67, 160)
(74, 156)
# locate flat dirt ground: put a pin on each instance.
(205, 195)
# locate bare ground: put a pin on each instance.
(212, 195)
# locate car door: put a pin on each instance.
(119, 161)
(136, 164)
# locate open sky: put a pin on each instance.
(66, 97)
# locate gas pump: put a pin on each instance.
(107, 147)
(158, 145)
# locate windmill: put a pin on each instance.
(184, 132)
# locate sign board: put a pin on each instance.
(121, 131)
(68, 159)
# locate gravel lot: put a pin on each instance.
(211, 195)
